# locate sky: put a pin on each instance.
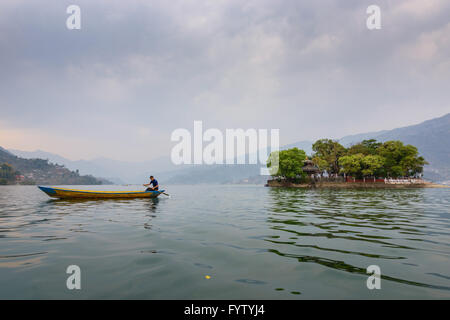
(139, 69)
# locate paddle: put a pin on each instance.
(166, 194)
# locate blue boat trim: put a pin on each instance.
(49, 191)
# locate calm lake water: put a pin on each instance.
(254, 243)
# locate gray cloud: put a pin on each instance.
(139, 69)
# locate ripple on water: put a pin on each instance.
(260, 242)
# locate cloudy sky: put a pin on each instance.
(137, 70)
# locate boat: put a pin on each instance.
(63, 193)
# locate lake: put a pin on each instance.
(252, 242)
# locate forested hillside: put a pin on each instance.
(16, 170)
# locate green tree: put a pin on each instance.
(413, 165)
(7, 172)
(365, 147)
(371, 165)
(327, 154)
(359, 165)
(400, 160)
(351, 164)
(320, 163)
(290, 163)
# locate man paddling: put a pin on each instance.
(154, 184)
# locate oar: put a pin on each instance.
(166, 194)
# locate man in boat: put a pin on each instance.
(154, 184)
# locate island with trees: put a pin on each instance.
(369, 163)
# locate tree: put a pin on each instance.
(371, 165)
(351, 164)
(328, 151)
(359, 165)
(7, 173)
(412, 165)
(365, 147)
(320, 163)
(400, 160)
(290, 163)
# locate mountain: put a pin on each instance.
(83, 166)
(119, 172)
(4, 150)
(303, 145)
(431, 137)
(213, 174)
(40, 171)
(234, 174)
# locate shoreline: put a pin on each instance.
(350, 185)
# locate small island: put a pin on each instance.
(368, 164)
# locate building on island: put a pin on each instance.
(310, 168)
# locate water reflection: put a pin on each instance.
(254, 241)
(153, 205)
(337, 226)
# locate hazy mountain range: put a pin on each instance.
(40, 171)
(119, 172)
(431, 137)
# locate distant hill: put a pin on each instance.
(84, 167)
(303, 145)
(431, 137)
(229, 174)
(4, 150)
(214, 174)
(119, 172)
(40, 171)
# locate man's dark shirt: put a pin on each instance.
(154, 182)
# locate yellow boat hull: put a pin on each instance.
(62, 193)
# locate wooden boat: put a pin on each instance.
(63, 193)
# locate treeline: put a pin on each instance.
(368, 158)
(40, 171)
(7, 174)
